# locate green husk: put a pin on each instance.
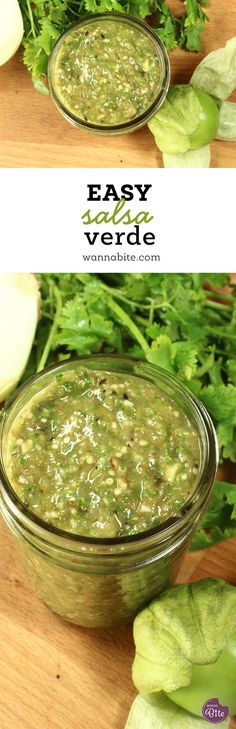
(188, 624)
(177, 120)
(216, 74)
(158, 712)
(193, 158)
(227, 126)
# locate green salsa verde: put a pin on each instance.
(107, 72)
(102, 454)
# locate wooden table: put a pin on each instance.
(54, 675)
(33, 134)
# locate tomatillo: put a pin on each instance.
(208, 121)
(186, 648)
(187, 120)
(211, 680)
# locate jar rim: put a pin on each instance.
(139, 120)
(146, 371)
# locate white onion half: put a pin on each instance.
(19, 313)
(11, 29)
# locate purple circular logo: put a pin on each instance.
(213, 711)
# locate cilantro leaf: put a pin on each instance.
(220, 401)
(231, 368)
(167, 28)
(220, 520)
(83, 332)
(192, 25)
(185, 323)
(163, 353)
(45, 20)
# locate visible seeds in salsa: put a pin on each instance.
(107, 73)
(102, 454)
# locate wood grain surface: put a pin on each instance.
(54, 675)
(33, 134)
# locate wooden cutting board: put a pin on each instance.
(54, 675)
(33, 134)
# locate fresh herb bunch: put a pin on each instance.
(45, 20)
(181, 322)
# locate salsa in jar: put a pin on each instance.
(106, 467)
(108, 71)
(101, 454)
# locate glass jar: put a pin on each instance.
(101, 582)
(159, 52)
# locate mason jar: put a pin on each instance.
(101, 582)
(136, 120)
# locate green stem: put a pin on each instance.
(204, 364)
(31, 18)
(134, 330)
(115, 293)
(132, 9)
(151, 313)
(52, 331)
(219, 295)
(141, 320)
(83, 277)
(77, 10)
(220, 334)
(216, 350)
(220, 307)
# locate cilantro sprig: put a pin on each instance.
(185, 323)
(45, 20)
